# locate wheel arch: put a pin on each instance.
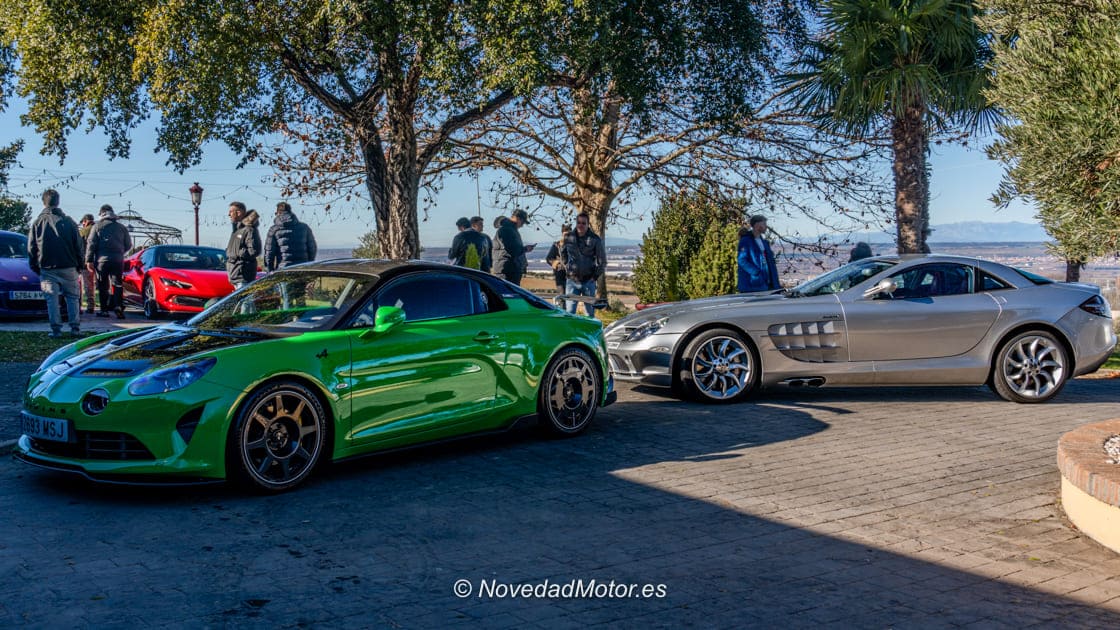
(1022, 328)
(579, 345)
(685, 339)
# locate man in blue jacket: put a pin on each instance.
(756, 266)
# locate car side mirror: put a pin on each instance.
(886, 286)
(387, 317)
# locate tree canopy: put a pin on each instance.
(1057, 68)
(394, 80)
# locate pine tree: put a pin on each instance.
(712, 271)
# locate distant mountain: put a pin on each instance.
(613, 241)
(973, 232)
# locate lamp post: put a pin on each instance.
(196, 199)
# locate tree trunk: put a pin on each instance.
(374, 161)
(1073, 270)
(596, 147)
(910, 143)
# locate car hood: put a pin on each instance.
(698, 306)
(16, 270)
(132, 353)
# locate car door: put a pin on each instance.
(935, 312)
(434, 374)
(133, 278)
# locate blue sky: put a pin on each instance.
(963, 179)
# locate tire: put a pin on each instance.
(569, 393)
(1031, 367)
(719, 366)
(151, 306)
(260, 452)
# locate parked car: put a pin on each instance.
(317, 362)
(913, 320)
(20, 294)
(175, 278)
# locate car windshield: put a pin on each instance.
(210, 258)
(841, 278)
(286, 302)
(13, 246)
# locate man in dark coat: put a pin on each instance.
(757, 269)
(289, 240)
(487, 256)
(585, 258)
(244, 246)
(556, 261)
(463, 241)
(55, 254)
(509, 252)
(108, 243)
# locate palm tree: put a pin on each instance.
(917, 66)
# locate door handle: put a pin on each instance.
(485, 337)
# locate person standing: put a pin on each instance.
(487, 256)
(757, 270)
(585, 257)
(87, 278)
(510, 262)
(105, 250)
(55, 253)
(860, 251)
(556, 261)
(244, 246)
(463, 241)
(289, 241)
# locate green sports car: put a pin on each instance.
(318, 362)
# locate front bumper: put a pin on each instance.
(646, 362)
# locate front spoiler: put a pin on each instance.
(120, 480)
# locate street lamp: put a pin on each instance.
(196, 199)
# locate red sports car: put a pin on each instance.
(175, 278)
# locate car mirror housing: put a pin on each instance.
(387, 317)
(884, 286)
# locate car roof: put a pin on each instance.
(375, 267)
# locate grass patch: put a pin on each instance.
(29, 346)
(1113, 362)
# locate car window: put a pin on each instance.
(13, 246)
(147, 257)
(988, 282)
(430, 296)
(191, 258)
(841, 278)
(287, 302)
(933, 280)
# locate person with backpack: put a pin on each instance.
(108, 243)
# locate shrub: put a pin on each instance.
(712, 271)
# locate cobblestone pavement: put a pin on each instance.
(852, 507)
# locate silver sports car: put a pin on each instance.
(889, 320)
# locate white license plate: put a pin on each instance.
(27, 295)
(612, 345)
(53, 429)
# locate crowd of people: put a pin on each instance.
(577, 259)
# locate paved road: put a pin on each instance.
(873, 508)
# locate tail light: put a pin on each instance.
(1098, 306)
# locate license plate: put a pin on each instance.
(612, 345)
(53, 429)
(27, 295)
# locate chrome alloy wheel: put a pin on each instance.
(573, 392)
(1034, 366)
(281, 438)
(721, 368)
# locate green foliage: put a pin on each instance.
(1056, 71)
(367, 246)
(15, 215)
(472, 259)
(914, 67)
(713, 270)
(672, 242)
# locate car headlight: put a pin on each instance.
(171, 378)
(178, 284)
(646, 329)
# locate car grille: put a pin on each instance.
(186, 300)
(97, 445)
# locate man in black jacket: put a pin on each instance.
(509, 252)
(105, 250)
(244, 246)
(289, 240)
(586, 258)
(55, 253)
(487, 256)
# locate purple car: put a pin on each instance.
(20, 295)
